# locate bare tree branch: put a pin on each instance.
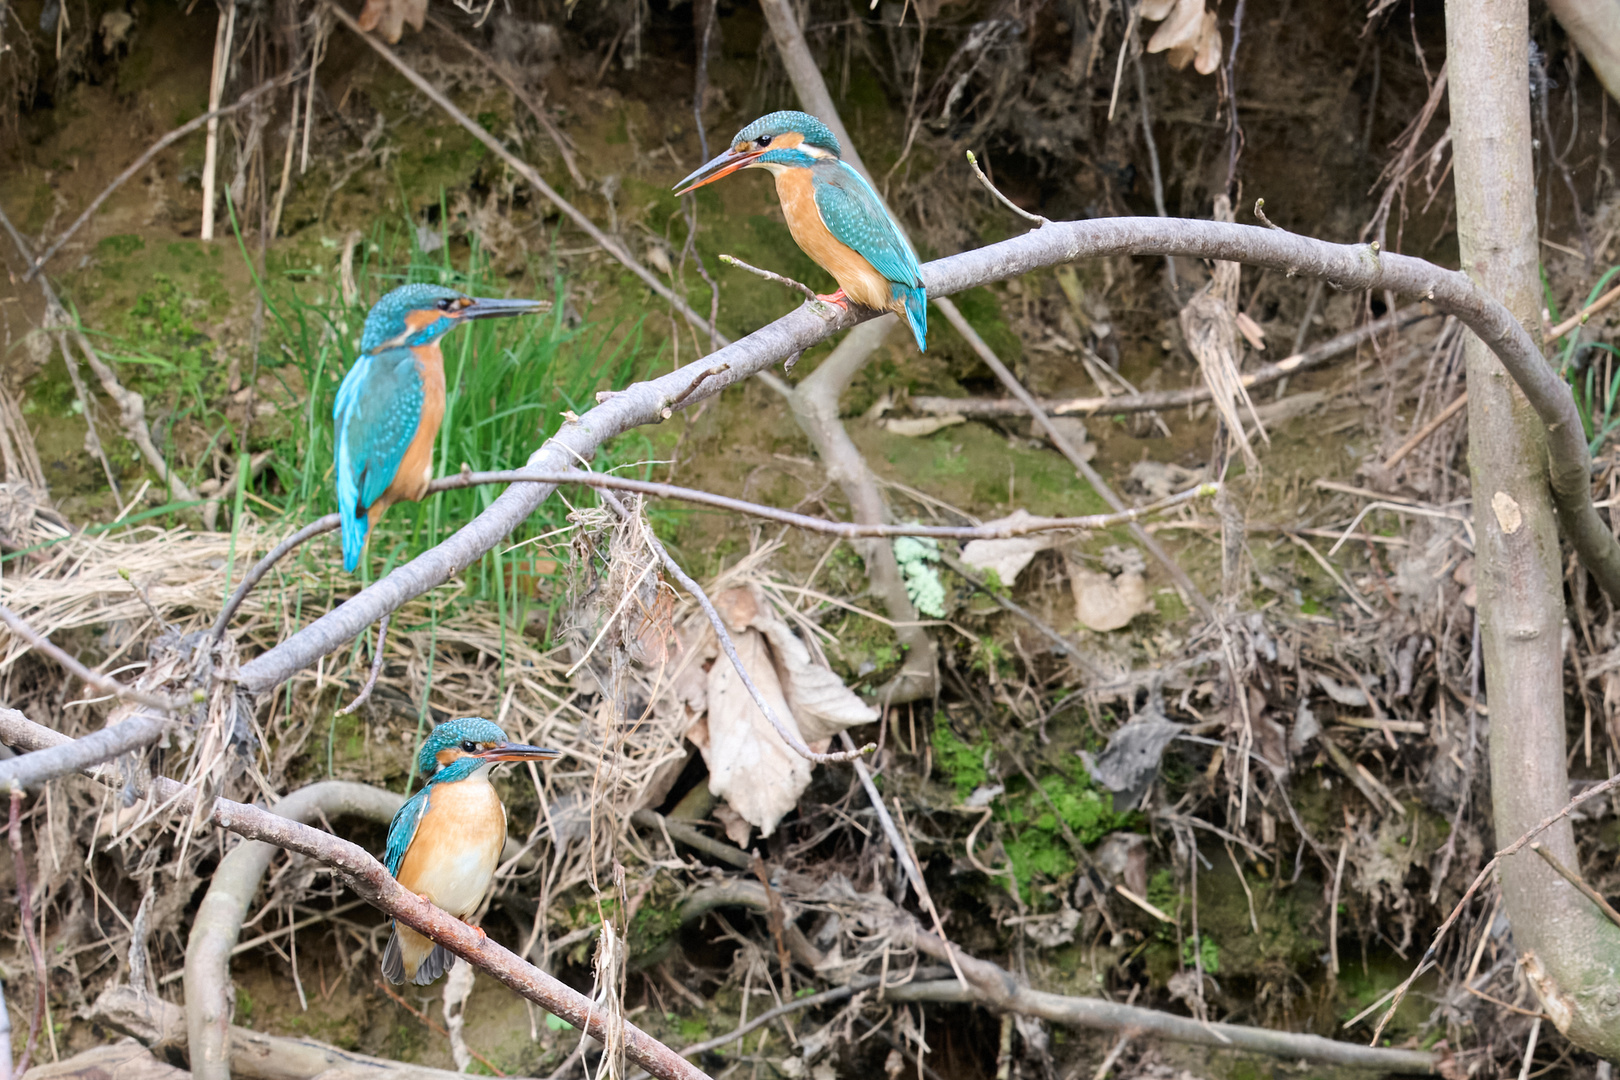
(372, 882)
(1347, 267)
(29, 771)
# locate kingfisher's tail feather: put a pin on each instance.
(913, 303)
(355, 527)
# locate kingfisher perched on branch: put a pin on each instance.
(392, 401)
(832, 212)
(445, 841)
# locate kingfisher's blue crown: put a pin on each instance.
(386, 322)
(452, 733)
(780, 123)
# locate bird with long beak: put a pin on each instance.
(445, 842)
(832, 212)
(391, 402)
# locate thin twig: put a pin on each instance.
(124, 692)
(427, 1021)
(1008, 203)
(1576, 880)
(789, 735)
(1480, 878)
(1580, 317)
(1008, 604)
(810, 294)
(25, 912)
(151, 152)
(376, 669)
(1428, 429)
(315, 528)
(503, 73)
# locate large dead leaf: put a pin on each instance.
(1007, 557)
(820, 702)
(749, 764)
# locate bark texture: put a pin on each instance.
(1570, 951)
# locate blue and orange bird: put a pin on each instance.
(391, 403)
(832, 212)
(446, 840)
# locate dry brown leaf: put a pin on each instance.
(1180, 29)
(1103, 602)
(1154, 10)
(821, 704)
(1007, 556)
(390, 16)
(1251, 331)
(749, 764)
(738, 831)
(1208, 56)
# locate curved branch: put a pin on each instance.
(218, 924)
(372, 882)
(1343, 265)
(315, 528)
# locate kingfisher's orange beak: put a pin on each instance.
(508, 751)
(723, 165)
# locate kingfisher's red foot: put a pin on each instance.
(838, 298)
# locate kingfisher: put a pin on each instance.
(391, 402)
(444, 843)
(832, 212)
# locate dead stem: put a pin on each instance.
(376, 669)
(809, 293)
(1576, 880)
(25, 913)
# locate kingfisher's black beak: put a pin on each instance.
(723, 165)
(508, 751)
(500, 309)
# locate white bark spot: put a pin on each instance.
(1508, 515)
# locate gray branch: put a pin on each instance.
(1345, 266)
(29, 771)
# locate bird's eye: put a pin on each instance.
(448, 304)
(469, 747)
(764, 140)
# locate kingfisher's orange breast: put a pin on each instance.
(453, 854)
(415, 470)
(857, 277)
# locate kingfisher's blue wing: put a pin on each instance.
(379, 407)
(403, 829)
(854, 214)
